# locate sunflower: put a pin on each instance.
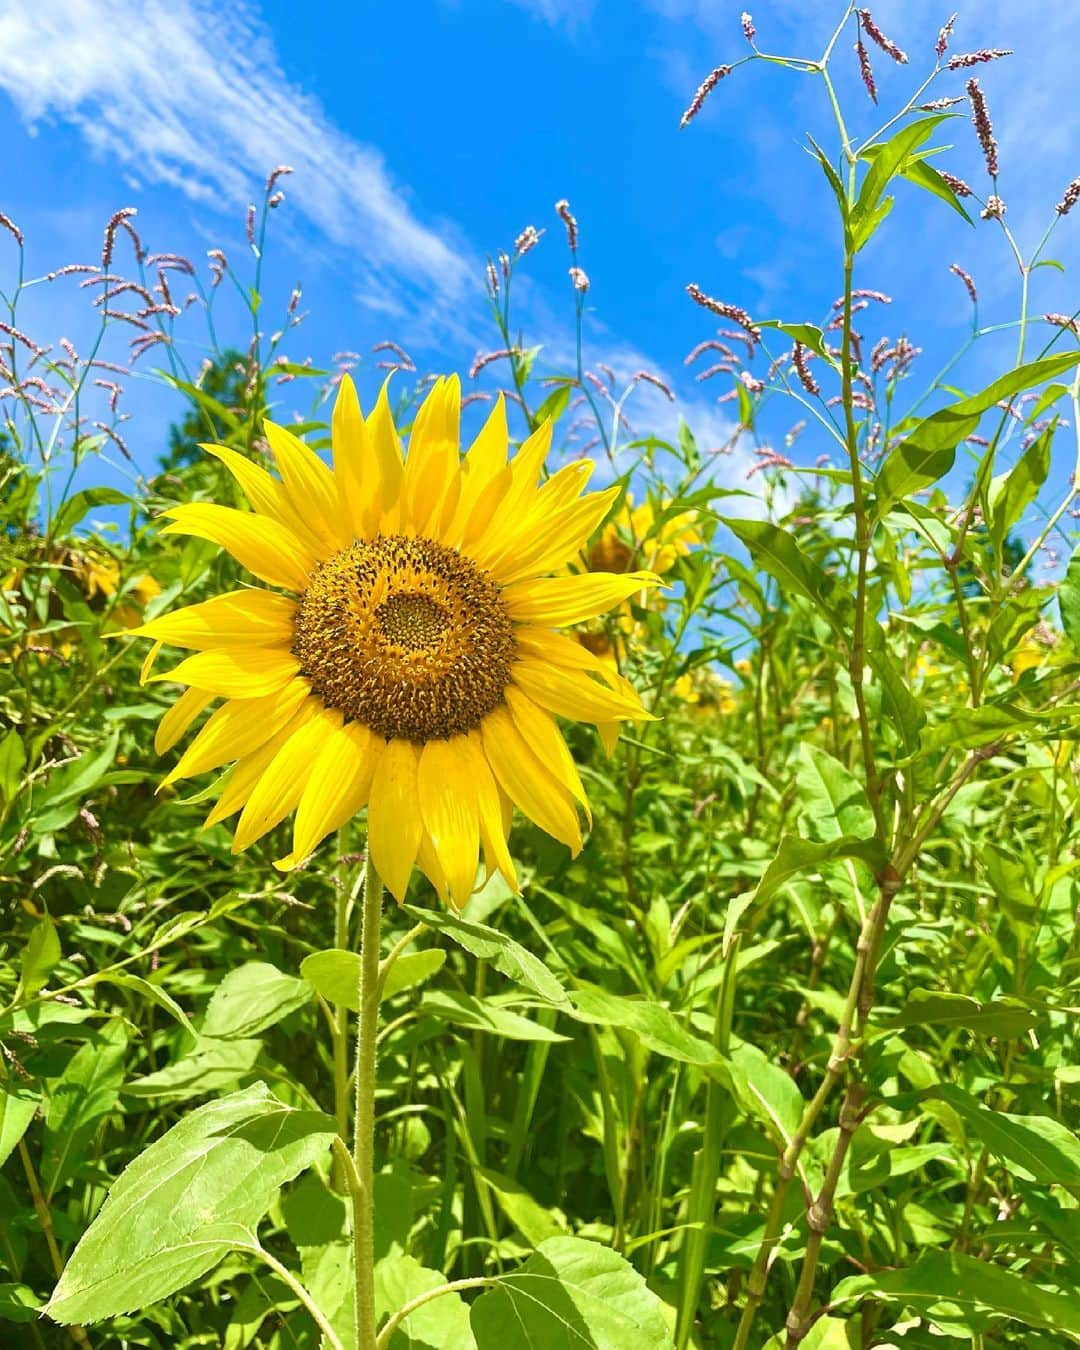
(408, 658)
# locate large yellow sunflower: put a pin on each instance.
(408, 658)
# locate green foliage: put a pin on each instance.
(785, 1057)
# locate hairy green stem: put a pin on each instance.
(363, 1180)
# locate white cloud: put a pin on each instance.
(193, 96)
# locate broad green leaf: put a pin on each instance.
(514, 961)
(412, 969)
(875, 1173)
(834, 182)
(1069, 600)
(483, 1015)
(184, 1202)
(795, 854)
(832, 800)
(79, 777)
(763, 1090)
(953, 1287)
(827, 1333)
(154, 993)
(571, 1293)
(251, 998)
(777, 552)
(18, 1303)
(1012, 493)
(532, 1220)
(440, 1324)
(82, 502)
(79, 1100)
(1039, 1148)
(925, 1007)
(210, 1066)
(924, 175)
(17, 1107)
(335, 974)
(554, 405)
(656, 1026)
(39, 957)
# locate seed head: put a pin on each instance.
(564, 213)
(980, 117)
(1069, 199)
(965, 277)
(957, 184)
(749, 31)
(705, 88)
(866, 70)
(580, 279)
(733, 312)
(11, 228)
(968, 59)
(802, 369)
(526, 240)
(875, 33)
(937, 104)
(1064, 321)
(655, 381)
(943, 37)
(112, 225)
(994, 208)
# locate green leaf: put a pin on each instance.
(656, 1026)
(827, 1333)
(1069, 600)
(795, 854)
(764, 1090)
(335, 974)
(925, 1007)
(532, 1220)
(805, 333)
(412, 969)
(39, 957)
(777, 552)
(887, 162)
(1039, 1148)
(251, 998)
(924, 175)
(506, 955)
(483, 1015)
(441, 1324)
(210, 1066)
(79, 1100)
(79, 503)
(834, 181)
(554, 405)
(12, 760)
(832, 800)
(182, 1204)
(17, 1107)
(953, 1287)
(1012, 493)
(154, 993)
(571, 1293)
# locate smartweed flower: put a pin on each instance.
(408, 658)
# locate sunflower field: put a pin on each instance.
(476, 874)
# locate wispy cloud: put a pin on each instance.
(192, 95)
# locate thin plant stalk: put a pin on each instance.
(362, 1183)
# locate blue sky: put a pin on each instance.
(425, 135)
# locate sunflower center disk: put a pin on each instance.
(406, 636)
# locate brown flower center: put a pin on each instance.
(407, 636)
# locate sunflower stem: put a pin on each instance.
(362, 1184)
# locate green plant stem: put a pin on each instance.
(44, 1216)
(287, 1277)
(341, 1038)
(362, 1183)
(453, 1287)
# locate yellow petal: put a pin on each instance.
(237, 729)
(235, 673)
(560, 650)
(238, 618)
(486, 456)
(311, 487)
(448, 806)
(505, 525)
(493, 810)
(355, 466)
(148, 662)
(428, 862)
(553, 541)
(264, 546)
(546, 741)
(386, 449)
(265, 494)
(432, 462)
(247, 772)
(557, 602)
(175, 722)
(338, 787)
(284, 779)
(526, 782)
(394, 821)
(575, 695)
